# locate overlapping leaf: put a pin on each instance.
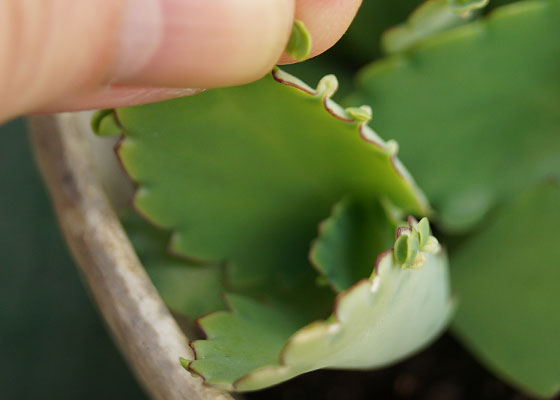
(507, 280)
(375, 322)
(189, 289)
(243, 175)
(476, 109)
(350, 240)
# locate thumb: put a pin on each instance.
(53, 50)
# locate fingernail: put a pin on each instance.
(141, 36)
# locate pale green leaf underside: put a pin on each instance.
(507, 279)
(475, 109)
(376, 322)
(245, 174)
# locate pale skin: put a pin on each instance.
(62, 55)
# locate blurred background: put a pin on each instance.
(53, 344)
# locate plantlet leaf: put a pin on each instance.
(244, 175)
(475, 108)
(401, 249)
(424, 231)
(507, 279)
(299, 45)
(375, 322)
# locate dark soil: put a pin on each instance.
(444, 371)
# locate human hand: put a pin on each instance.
(60, 55)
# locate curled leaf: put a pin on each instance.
(375, 322)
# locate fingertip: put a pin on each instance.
(115, 96)
(217, 43)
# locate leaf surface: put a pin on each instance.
(507, 281)
(244, 175)
(192, 290)
(476, 109)
(350, 240)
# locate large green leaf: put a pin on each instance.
(507, 279)
(376, 322)
(245, 174)
(476, 109)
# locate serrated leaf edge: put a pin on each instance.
(325, 90)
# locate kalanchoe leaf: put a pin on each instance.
(251, 336)
(507, 280)
(244, 175)
(431, 17)
(193, 289)
(441, 102)
(189, 289)
(299, 45)
(375, 322)
(350, 240)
